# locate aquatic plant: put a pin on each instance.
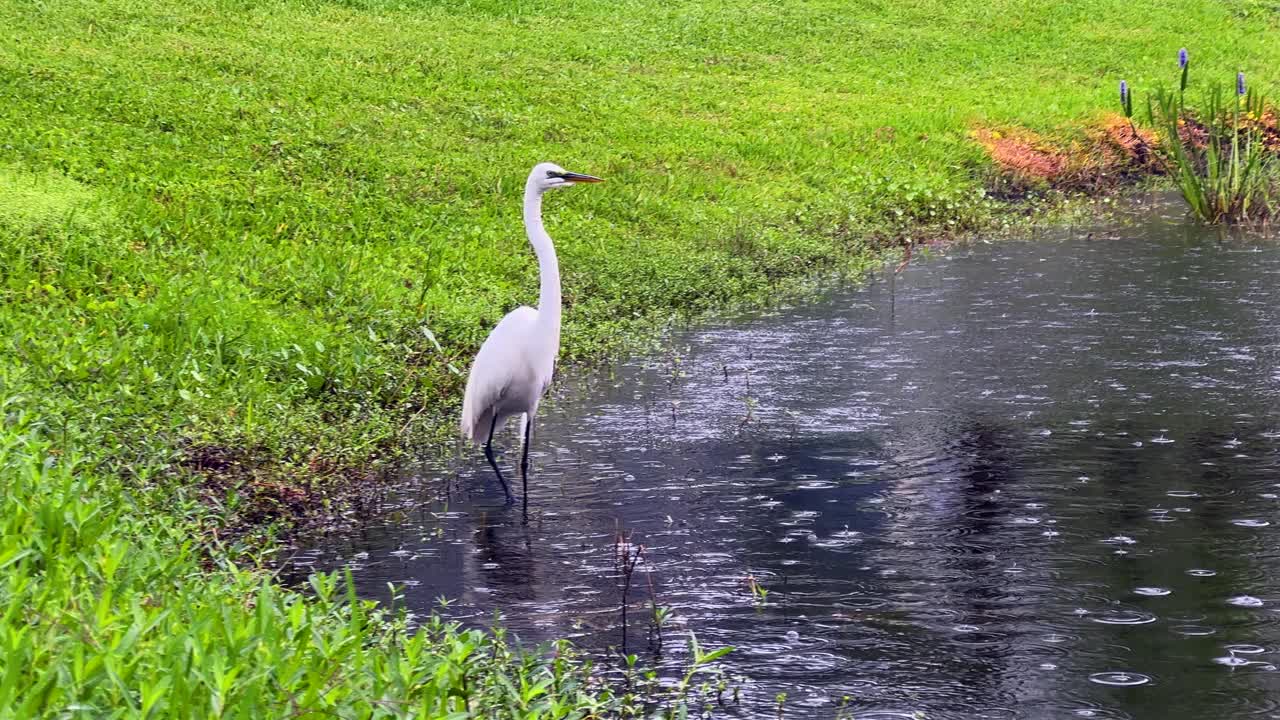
(626, 556)
(1184, 64)
(1217, 154)
(661, 615)
(758, 592)
(700, 661)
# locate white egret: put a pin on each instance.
(515, 363)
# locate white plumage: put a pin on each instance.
(515, 364)
(510, 373)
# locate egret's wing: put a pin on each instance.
(493, 370)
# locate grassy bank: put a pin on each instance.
(232, 225)
(232, 234)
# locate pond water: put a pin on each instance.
(1032, 479)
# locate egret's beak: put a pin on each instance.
(580, 178)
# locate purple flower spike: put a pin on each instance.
(1182, 58)
(1240, 83)
(1124, 91)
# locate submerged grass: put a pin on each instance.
(251, 237)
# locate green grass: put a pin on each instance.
(285, 194)
(230, 228)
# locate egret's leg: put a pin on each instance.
(524, 461)
(488, 453)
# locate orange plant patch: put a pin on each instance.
(1021, 155)
(1268, 126)
(1112, 152)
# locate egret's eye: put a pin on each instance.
(551, 173)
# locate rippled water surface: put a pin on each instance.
(1027, 479)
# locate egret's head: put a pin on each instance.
(549, 176)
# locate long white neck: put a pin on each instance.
(548, 268)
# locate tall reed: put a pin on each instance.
(1217, 154)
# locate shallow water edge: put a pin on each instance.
(1024, 479)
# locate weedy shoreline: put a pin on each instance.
(328, 493)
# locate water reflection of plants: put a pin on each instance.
(1224, 154)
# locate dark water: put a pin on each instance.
(1027, 479)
